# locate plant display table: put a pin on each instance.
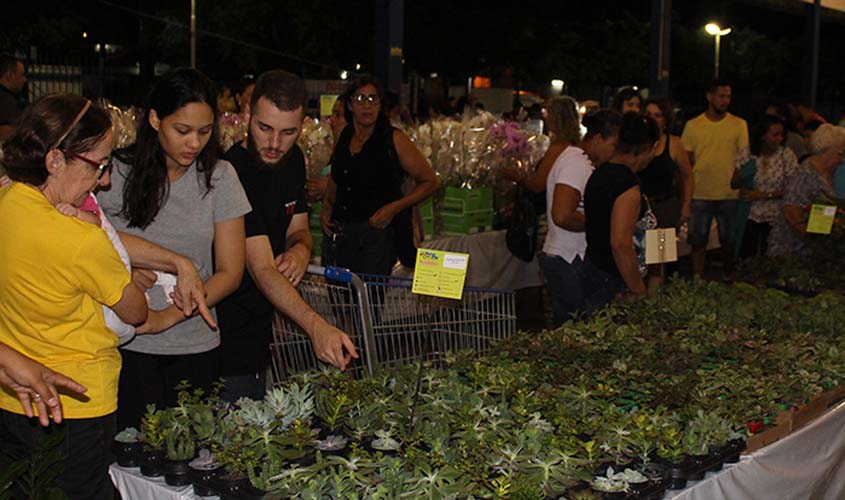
(646, 396)
(809, 463)
(133, 486)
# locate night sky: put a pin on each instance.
(593, 45)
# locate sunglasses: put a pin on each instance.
(361, 98)
(102, 167)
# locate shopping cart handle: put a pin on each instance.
(332, 273)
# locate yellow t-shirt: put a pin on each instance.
(714, 146)
(55, 272)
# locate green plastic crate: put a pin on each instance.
(462, 200)
(428, 227)
(314, 216)
(317, 240)
(467, 223)
(426, 207)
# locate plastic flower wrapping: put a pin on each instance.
(124, 124)
(232, 128)
(317, 144)
(469, 152)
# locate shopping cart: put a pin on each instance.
(389, 325)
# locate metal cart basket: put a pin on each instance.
(388, 324)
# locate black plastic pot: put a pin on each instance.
(176, 472)
(202, 480)
(241, 489)
(697, 467)
(715, 460)
(733, 450)
(678, 475)
(616, 495)
(127, 454)
(151, 462)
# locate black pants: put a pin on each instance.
(152, 378)
(361, 248)
(755, 240)
(85, 452)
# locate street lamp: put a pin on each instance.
(717, 31)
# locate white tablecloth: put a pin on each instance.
(491, 264)
(134, 486)
(808, 464)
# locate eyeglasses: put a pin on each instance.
(102, 167)
(361, 98)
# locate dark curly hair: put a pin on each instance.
(147, 186)
(637, 133)
(41, 125)
(604, 122)
(761, 128)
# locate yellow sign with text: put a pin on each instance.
(326, 104)
(821, 219)
(440, 274)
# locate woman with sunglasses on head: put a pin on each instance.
(55, 272)
(365, 214)
(667, 180)
(171, 189)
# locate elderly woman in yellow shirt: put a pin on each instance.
(55, 272)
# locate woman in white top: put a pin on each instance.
(563, 252)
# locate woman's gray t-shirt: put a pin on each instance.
(185, 224)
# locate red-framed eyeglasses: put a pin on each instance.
(102, 167)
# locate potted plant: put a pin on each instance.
(180, 447)
(152, 442)
(127, 447)
(203, 470)
(671, 449)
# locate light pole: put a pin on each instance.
(194, 34)
(717, 31)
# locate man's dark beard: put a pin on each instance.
(252, 149)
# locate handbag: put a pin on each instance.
(521, 236)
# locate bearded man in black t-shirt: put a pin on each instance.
(271, 168)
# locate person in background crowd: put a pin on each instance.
(667, 180)
(397, 113)
(242, 92)
(12, 80)
(226, 100)
(316, 186)
(337, 121)
(562, 260)
(617, 216)
(371, 161)
(713, 140)
(35, 385)
(794, 140)
(172, 189)
(810, 117)
(812, 183)
(271, 168)
(763, 171)
(55, 272)
(627, 100)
